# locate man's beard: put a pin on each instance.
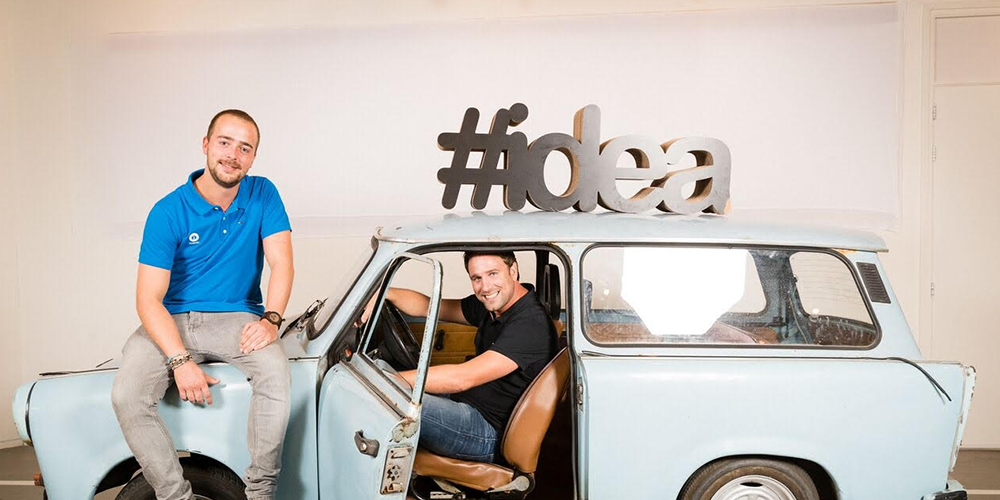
(222, 182)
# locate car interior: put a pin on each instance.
(541, 425)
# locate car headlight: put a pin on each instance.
(20, 411)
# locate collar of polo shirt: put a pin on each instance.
(201, 205)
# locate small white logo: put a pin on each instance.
(193, 238)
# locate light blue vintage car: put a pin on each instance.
(706, 358)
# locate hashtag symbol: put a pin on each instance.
(491, 144)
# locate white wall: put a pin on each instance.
(805, 99)
(10, 339)
(106, 104)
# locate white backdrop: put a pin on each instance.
(805, 98)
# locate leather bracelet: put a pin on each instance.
(175, 361)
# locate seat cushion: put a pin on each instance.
(476, 475)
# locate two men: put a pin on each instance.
(467, 405)
(198, 298)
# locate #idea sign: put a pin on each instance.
(593, 167)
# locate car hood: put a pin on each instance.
(293, 349)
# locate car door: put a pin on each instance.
(368, 420)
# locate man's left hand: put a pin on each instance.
(257, 335)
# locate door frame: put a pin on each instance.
(931, 13)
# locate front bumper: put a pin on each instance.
(19, 409)
(952, 491)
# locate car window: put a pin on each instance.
(825, 289)
(730, 296)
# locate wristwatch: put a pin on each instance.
(273, 317)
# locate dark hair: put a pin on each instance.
(238, 113)
(507, 256)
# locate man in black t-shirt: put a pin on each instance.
(467, 405)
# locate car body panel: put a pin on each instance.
(348, 406)
(864, 421)
(77, 438)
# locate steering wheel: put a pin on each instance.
(393, 334)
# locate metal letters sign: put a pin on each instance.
(593, 167)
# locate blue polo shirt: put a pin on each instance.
(214, 256)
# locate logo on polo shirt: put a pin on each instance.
(193, 238)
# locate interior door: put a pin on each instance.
(966, 225)
(368, 420)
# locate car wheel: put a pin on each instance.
(750, 479)
(208, 482)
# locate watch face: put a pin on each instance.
(273, 317)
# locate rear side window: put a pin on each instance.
(729, 296)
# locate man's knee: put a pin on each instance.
(128, 398)
(120, 396)
(271, 375)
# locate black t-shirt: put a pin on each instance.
(524, 334)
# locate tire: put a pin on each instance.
(750, 478)
(209, 482)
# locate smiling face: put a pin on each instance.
(493, 282)
(230, 150)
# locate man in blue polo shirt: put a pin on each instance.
(198, 297)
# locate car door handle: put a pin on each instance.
(366, 446)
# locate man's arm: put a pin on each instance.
(416, 304)
(278, 253)
(151, 285)
(449, 379)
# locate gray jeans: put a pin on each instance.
(143, 380)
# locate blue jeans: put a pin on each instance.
(456, 430)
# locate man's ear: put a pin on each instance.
(514, 272)
(204, 145)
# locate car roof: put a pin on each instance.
(553, 227)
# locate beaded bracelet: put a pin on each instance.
(175, 361)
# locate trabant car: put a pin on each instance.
(705, 358)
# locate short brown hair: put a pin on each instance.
(238, 113)
(507, 256)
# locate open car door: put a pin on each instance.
(368, 419)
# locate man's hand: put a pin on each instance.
(257, 335)
(368, 311)
(192, 383)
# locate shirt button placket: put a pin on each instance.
(223, 222)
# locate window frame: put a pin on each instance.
(851, 268)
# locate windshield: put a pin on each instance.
(344, 285)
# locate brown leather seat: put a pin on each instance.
(521, 440)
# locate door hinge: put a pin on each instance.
(934, 112)
(579, 396)
(932, 289)
(933, 153)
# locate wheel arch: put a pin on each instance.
(125, 470)
(820, 476)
